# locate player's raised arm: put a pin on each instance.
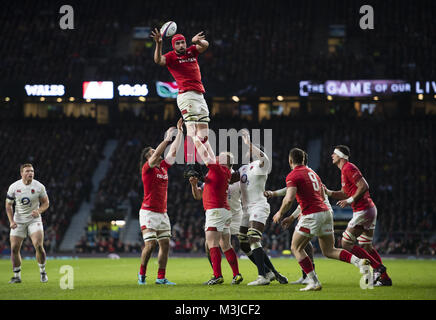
(158, 57)
(171, 156)
(286, 203)
(255, 151)
(155, 158)
(200, 42)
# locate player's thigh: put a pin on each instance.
(299, 241)
(213, 238)
(16, 243)
(326, 243)
(225, 243)
(37, 238)
(36, 233)
(21, 231)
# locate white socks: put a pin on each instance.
(355, 260)
(17, 272)
(41, 267)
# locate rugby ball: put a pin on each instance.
(168, 29)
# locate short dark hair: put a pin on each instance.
(344, 149)
(143, 158)
(297, 155)
(306, 158)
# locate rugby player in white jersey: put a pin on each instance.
(31, 200)
(256, 210)
(295, 215)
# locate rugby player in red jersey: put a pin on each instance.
(304, 185)
(183, 66)
(217, 210)
(355, 192)
(153, 217)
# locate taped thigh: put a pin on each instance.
(164, 235)
(364, 239)
(254, 233)
(149, 236)
(348, 237)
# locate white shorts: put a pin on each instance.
(193, 106)
(26, 229)
(236, 222)
(365, 218)
(315, 224)
(154, 220)
(258, 213)
(218, 220)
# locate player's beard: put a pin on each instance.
(181, 51)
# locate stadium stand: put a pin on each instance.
(239, 50)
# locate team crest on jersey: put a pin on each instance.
(18, 191)
(33, 191)
(244, 178)
(251, 167)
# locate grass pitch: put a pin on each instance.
(106, 279)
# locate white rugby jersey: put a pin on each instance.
(234, 197)
(26, 199)
(253, 179)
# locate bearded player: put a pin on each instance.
(316, 219)
(295, 215)
(355, 192)
(153, 217)
(31, 200)
(183, 66)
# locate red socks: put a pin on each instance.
(233, 260)
(306, 265)
(345, 256)
(142, 270)
(373, 253)
(215, 256)
(362, 254)
(161, 274)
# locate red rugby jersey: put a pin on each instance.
(185, 69)
(308, 186)
(350, 175)
(216, 185)
(155, 181)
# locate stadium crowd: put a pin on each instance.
(280, 43)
